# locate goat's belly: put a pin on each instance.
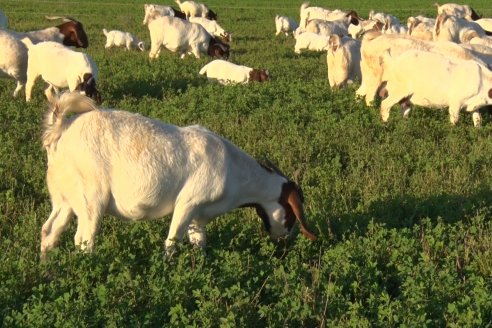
(58, 82)
(139, 210)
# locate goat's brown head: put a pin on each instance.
(259, 75)
(74, 33)
(88, 87)
(354, 17)
(218, 49)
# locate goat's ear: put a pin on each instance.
(490, 93)
(295, 202)
(334, 42)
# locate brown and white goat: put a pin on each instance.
(127, 165)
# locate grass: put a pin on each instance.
(402, 209)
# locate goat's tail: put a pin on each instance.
(105, 32)
(60, 107)
(304, 5)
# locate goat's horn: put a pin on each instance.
(295, 203)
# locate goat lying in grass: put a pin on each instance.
(109, 161)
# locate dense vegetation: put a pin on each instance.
(402, 209)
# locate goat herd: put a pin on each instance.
(109, 161)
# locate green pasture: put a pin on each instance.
(402, 210)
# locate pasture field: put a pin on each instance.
(402, 210)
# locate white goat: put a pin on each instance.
(284, 24)
(460, 11)
(195, 9)
(121, 163)
(390, 27)
(343, 61)
(327, 28)
(421, 27)
(153, 11)
(13, 59)
(70, 33)
(226, 72)
(461, 83)
(311, 41)
(4, 22)
(212, 27)
(122, 39)
(60, 67)
(307, 13)
(178, 35)
(459, 30)
(374, 45)
(383, 17)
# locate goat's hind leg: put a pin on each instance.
(89, 210)
(53, 227)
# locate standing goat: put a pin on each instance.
(60, 67)
(130, 166)
(122, 39)
(13, 59)
(195, 9)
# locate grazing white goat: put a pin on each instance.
(374, 44)
(60, 67)
(153, 11)
(226, 72)
(13, 59)
(343, 60)
(127, 165)
(356, 31)
(460, 11)
(390, 27)
(213, 28)
(462, 83)
(459, 30)
(122, 39)
(195, 9)
(284, 24)
(307, 13)
(178, 35)
(311, 41)
(327, 28)
(70, 33)
(421, 27)
(4, 22)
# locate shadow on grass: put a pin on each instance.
(405, 212)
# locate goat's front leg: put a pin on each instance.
(182, 217)
(197, 233)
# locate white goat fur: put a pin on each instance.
(343, 61)
(327, 28)
(307, 13)
(212, 27)
(226, 72)
(311, 41)
(117, 38)
(453, 9)
(192, 8)
(461, 83)
(153, 11)
(177, 35)
(59, 66)
(421, 27)
(459, 30)
(13, 59)
(284, 24)
(375, 44)
(124, 164)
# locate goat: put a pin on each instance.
(374, 44)
(213, 28)
(127, 165)
(153, 11)
(122, 39)
(462, 83)
(311, 41)
(13, 59)
(459, 11)
(308, 13)
(284, 24)
(226, 72)
(71, 33)
(181, 36)
(455, 29)
(343, 61)
(421, 27)
(195, 9)
(60, 67)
